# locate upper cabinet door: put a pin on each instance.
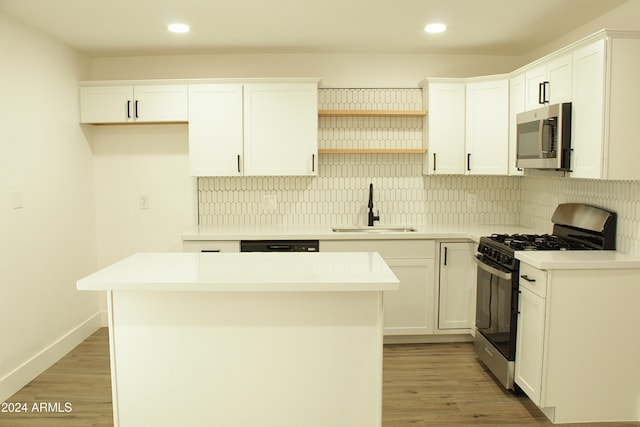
(549, 83)
(215, 129)
(534, 78)
(588, 108)
(487, 128)
(126, 104)
(560, 73)
(108, 104)
(445, 152)
(281, 129)
(160, 103)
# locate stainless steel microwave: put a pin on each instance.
(544, 138)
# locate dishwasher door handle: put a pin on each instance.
(279, 248)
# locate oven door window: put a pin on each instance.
(495, 318)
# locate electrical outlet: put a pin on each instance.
(143, 201)
(270, 202)
(472, 201)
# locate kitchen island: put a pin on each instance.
(246, 339)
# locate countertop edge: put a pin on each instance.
(226, 272)
(579, 260)
(424, 232)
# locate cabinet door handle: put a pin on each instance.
(136, 109)
(547, 92)
(238, 163)
(542, 92)
(445, 255)
(540, 101)
(525, 277)
(313, 163)
(469, 161)
(434, 161)
(128, 109)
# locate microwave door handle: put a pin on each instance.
(541, 137)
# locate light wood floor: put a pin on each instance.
(424, 385)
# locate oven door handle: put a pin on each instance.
(501, 274)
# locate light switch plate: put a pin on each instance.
(143, 201)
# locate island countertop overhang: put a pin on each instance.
(245, 272)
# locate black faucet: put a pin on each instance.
(372, 217)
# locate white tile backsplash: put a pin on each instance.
(370, 132)
(541, 195)
(339, 194)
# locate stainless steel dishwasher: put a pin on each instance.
(279, 246)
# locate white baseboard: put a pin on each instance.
(42, 361)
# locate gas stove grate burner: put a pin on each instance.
(539, 242)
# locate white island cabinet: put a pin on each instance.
(246, 339)
(577, 341)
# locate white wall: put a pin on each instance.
(134, 161)
(336, 70)
(624, 17)
(50, 242)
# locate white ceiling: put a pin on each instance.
(138, 27)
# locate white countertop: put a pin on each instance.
(324, 232)
(578, 260)
(245, 272)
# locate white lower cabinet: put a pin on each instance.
(530, 335)
(456, 287)
(530, 344)
(576, 352)
(408, 311)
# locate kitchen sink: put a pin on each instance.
(373, 229)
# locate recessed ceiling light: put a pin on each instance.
(436, 27)
(178, 28)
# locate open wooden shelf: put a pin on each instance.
(372, 150)
(372, 113)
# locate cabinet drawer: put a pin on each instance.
(533, 279)
(211, 246)
(386, 248)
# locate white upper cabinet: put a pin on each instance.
(487, 127)
(253, 129)
(468, 127)
(215, 129)
(281, 129)
(446, 123)
(549, 82)
(128, 104)
(517, 95)
(605, 109)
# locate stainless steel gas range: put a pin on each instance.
(576, 227)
